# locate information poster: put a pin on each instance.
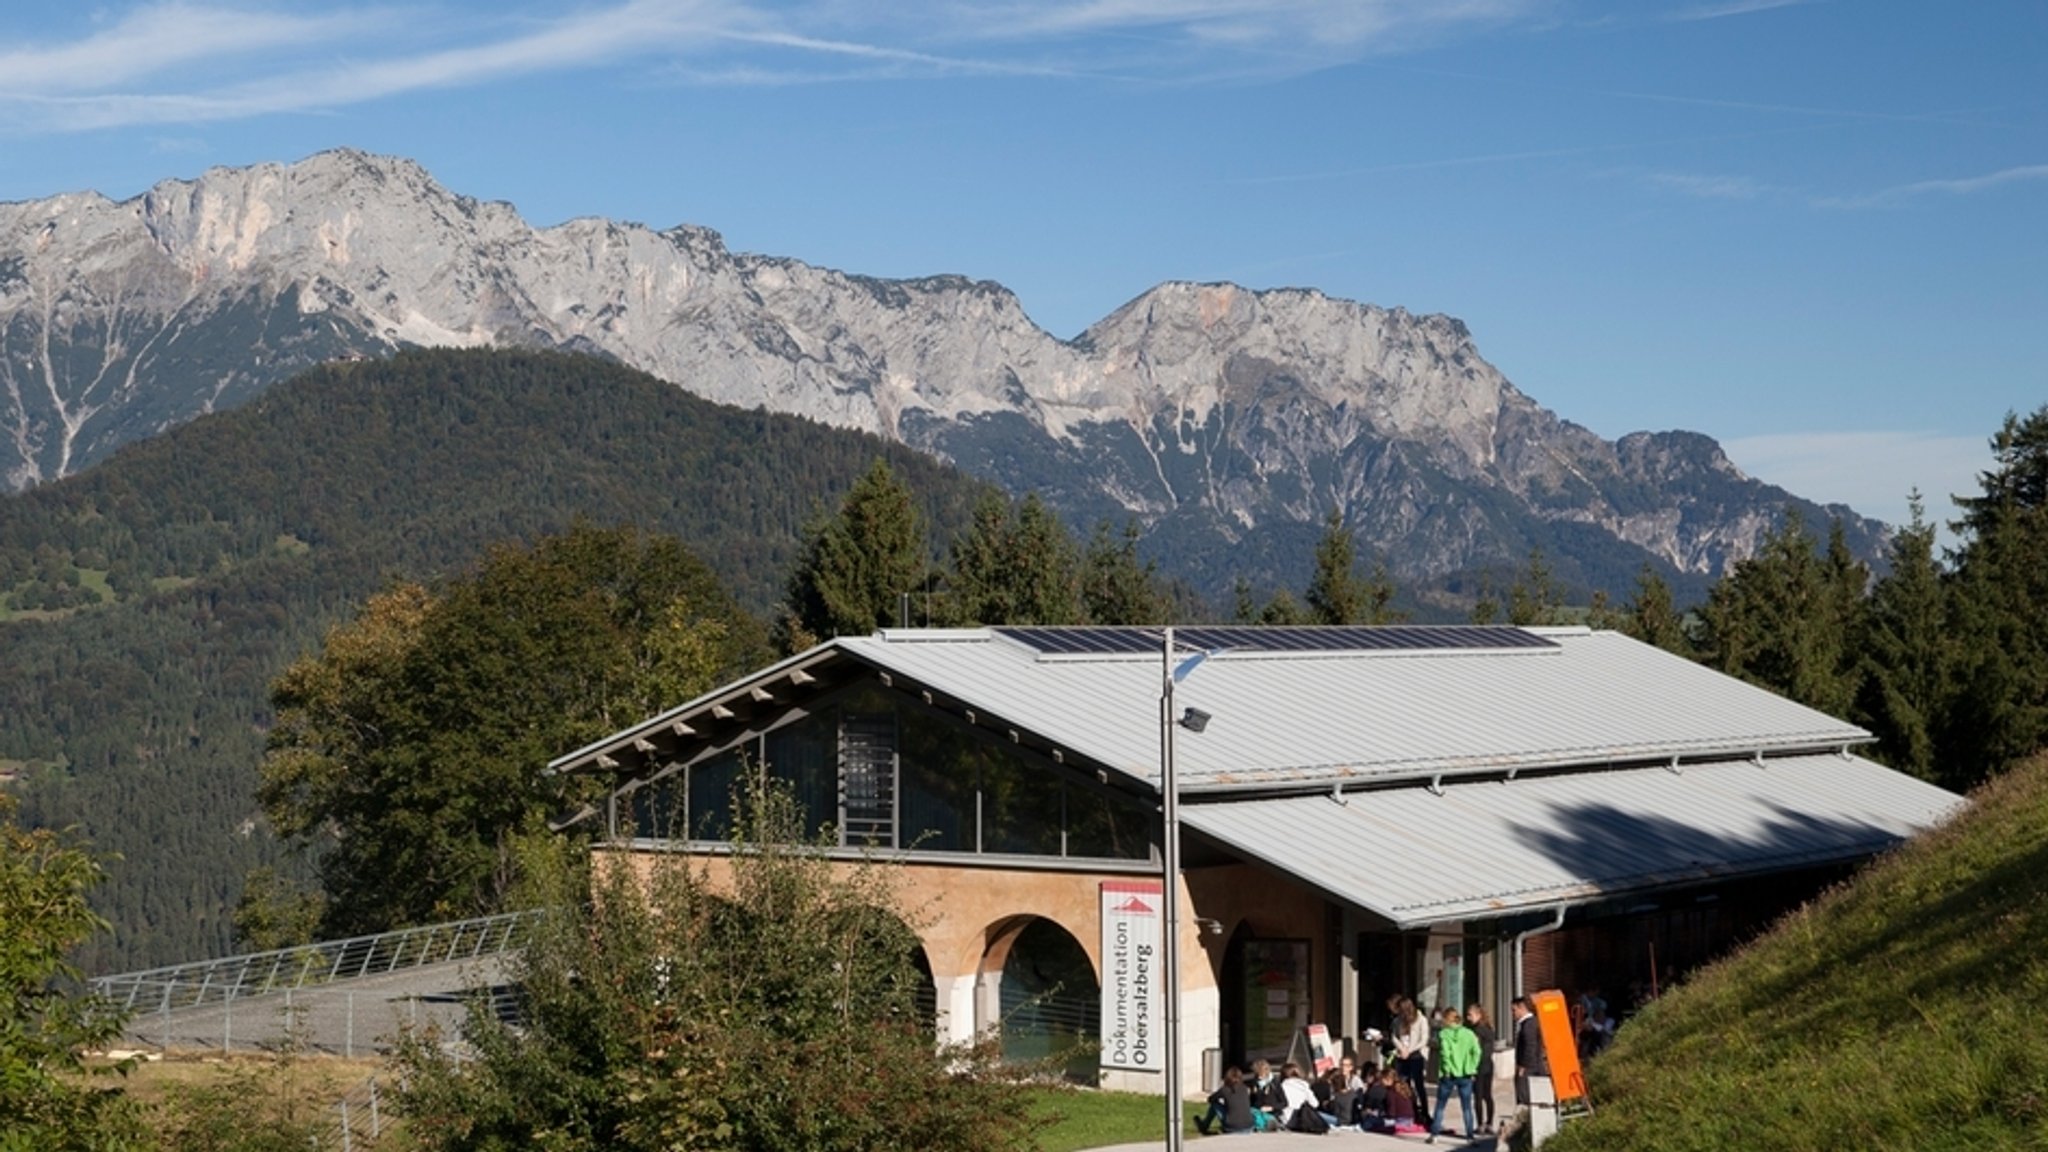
(1131, 1012)
(1320, 1049)
(1276, 996)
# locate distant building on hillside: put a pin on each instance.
(1455, 813)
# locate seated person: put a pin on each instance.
(1230, 1104)
(1340, 1106)
(1295, 1093)
(1398, 1112)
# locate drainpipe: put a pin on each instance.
(1556, 922)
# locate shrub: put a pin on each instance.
(764, 1001)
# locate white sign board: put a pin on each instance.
(1131, 1015)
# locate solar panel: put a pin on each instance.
(1248, 638)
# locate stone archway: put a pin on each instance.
(1038, 985)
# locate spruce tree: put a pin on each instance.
(857, 564)
(1335, 594)
(2000, 593)
(1535, 598)
(1014, 567)
(1650, 617)
(1115, 587)
(1908, 655)
(1782, 619)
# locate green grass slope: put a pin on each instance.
(1906, 1009)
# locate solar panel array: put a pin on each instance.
(1242, 638)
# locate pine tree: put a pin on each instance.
(1014, 567)
(2001, 609)
(1115, 587)
(856, 565)
(1650, 617)
(1783, 619)
(1535, 598)
(1908, 656)
(1335, 594)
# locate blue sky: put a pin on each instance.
(1815, 229)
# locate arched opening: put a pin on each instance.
(1039, 985)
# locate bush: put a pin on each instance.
(766, 1001)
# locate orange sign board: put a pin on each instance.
(1560, 1046)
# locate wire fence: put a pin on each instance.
(343, 997)
(261, 973)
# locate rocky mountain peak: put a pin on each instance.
(1243, 411)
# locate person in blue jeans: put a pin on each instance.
(1458, 1056)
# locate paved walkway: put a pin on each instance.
(354, 1017)
(1343, 1138)
(1351, 1138)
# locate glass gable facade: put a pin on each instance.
(875, 768)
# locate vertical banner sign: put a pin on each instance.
(1132, 1026)
(1561, 1046)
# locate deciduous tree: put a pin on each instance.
(47, 1099)
(409, 752)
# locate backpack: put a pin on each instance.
(1307, 1119)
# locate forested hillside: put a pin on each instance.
(146, 605)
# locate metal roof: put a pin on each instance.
(1282, 720)
(1488, 848)
(1299, 720)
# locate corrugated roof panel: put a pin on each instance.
(1322, 717)
(1486, 848)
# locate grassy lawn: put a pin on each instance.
(1075, 1118)
(320, 1081)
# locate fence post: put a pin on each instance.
(227, 1024)
(348, 1044)
(347, 1137)
(376, 1129)
(164, 1015)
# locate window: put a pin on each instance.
(889, 771)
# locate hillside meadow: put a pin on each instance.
(1902, 1010)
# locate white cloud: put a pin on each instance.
(1957, 187)
(1732, 8)
(159, 38)
(191, 61)
(1871, 472)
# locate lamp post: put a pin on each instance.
(1169, 949)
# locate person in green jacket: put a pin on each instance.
(1459, 1046)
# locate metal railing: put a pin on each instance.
(261, 973)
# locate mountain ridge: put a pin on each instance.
(1214, 414)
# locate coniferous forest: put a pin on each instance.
(151, 601)
(149, 607)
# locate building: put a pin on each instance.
(1452, 812)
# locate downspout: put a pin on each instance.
(1556, 922)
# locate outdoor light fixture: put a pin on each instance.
(1194, 719)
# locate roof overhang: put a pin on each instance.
(1416, 856)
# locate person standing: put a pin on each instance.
(1482, 1080)
(1458, 1061)
(1529, 1057)
(1411, 1048)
